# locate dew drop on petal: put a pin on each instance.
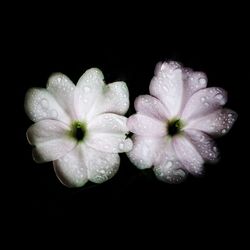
(44, 103)
(169, 164)
(202, 81)
(223, 131)
(121, 146)
(215, 149)
(202, 99)
(53, 113)
(86, 89)
(59, 79)
(206, 104)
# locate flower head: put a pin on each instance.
(172, 125)
(80, 128)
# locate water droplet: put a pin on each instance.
(202, 81)
(202, 138)
(59, 79)
(121, 146)
(44, 103)
(206, 104)
(215, 149)
(202, 99)
(86, 89)
(219, 96)
(223, 131)
(169, 164)
(53, 113)
(229, 115)
(102, 171)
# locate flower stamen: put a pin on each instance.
(78, 130)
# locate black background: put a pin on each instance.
(126, 43)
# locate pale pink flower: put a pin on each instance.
(172, 126)
(80, 128)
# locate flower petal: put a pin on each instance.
(51, 140)
(108, 123)
(39, 104)
(114, 99)
(71, 169)
(88, 90)
(188, 155)
(152, 107)
(101, 166)
(107, 133)
(167, 85)
(46, 130)
(203, 144)
(167, 167)
(216, 124)
(144, 151)
(107, 142)
(193, 82)
(204, 102)
(62, 88)
(146, 126)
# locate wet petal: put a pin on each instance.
(168, 168)
(114, 99)
(50, 139)
(101, 166)
(204, 102)
(108, 123)
(88, 90)
(146, 126)
(152, 107)
(110, 143)
(62, 88)
(203, 144)
(188, 155)
(167, 86)
(193, 82)
(71, 169)
(46, 130)
(40, 104)
(216, 124)
(144, 152)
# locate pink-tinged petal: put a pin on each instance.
(217, 123)
(152, 107)
(146, 126)
(114, 99)
(204, 102)
(62, 88)
(50, 139)
(168, 168)
(167, 86)
(71, 169)
(188, 155)
(203, 144)
(108, 123)
(88, 90)
(40, 104)
(101, 166)
(108, 142)
(193, 82)
(144, 151)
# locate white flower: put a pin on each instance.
(172, 125)
(80, 128)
